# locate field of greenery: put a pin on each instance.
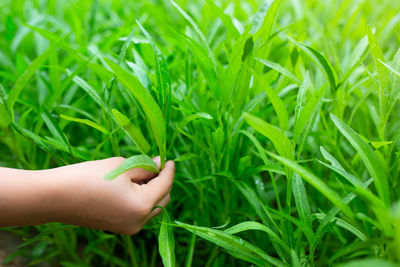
(282, 116)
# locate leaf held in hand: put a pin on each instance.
(138, 161)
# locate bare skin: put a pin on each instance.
(78, 194)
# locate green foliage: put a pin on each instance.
(283, 118)
(133, 132)
(166, 241)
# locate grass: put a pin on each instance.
(283, 118)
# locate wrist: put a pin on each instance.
(52, 198)
(28, 197)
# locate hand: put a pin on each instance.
(123, 205)
(78, 194)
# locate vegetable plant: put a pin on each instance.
(282, 117)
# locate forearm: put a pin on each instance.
(27, 197)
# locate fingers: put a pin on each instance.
(160, 186)
(139, 174)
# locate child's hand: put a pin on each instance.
(123, 205)
(78, 194)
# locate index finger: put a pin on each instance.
(161, 185)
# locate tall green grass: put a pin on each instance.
(283, 118)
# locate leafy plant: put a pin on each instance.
(282, 117)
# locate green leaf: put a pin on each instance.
(395, 72)
(205, 63)
(226, 19)
(295, 259)
(321, 62)
(280, 69)
(52, 37)
(317, 183)
(138, 161)
(383, 74)
(281, 143)
(141, 74)
(230, 74)
(132, 131)
(33, 137)
(276, 102)
(379, 144)
(358, 55)
(261, 211)
(146, 101)
(194, 116)
(196, 28)
(89, 90)
(256, 203)
(262, 31)
(4, 115)
(189, 257)
(166, 241)
(27, 74)
(394, 79)
(368, 157)
(368, 263)
(303, 207)
(338, 168)
(125, 46)
(343, 224)
(306, 110)
(328, 221)
(53, 127)
(163, 78)
(86, 122)
(246, 226)
(234, 245)
(257, 144)
(186, 156)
